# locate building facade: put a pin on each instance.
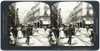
(82, 13)
(56, 19)
(13, 19)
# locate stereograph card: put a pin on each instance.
(50, 25)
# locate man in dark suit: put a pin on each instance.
(70, 34)
(57, 35)
(66, 30)
(28, 33)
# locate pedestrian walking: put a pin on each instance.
(69, 35)
(15, 33)
(87, 28)
(73, 30)
(41, 24)
(53, 38)
(11, 39)
(35, 31)
(46, 31)
(23, 30)
(57, 35)
(19, 34)
(66, 30)
(61, 33)
(28, 34)
(92, 37)
(30, 29)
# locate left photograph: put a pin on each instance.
(28, 24)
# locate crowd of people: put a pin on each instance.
(64, 31)
(53, 34)
(67, 31)
(25, 31)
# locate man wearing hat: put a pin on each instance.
(28, 33)
(69, 35)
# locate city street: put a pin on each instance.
(71, 25)
(81, 38)
(39, 39)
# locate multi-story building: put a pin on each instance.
(56, 19)
(13, 19)
(45, 18)
(38, 15)
(33, 14)
(83, 13)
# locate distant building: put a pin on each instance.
(45, 18)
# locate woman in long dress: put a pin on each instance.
(11, 38)
(61, 33)
(35, 31)
(20, 34)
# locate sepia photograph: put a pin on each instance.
(62, 24)
(72, 24)
(29, 24)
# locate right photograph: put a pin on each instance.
(72, 24)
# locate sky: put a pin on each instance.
(24, 8)
(66, 8)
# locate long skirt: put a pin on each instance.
(62, 35)
(20, 34)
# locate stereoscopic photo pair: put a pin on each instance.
(45, 24)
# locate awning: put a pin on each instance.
(46, 22)
(89, 22)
